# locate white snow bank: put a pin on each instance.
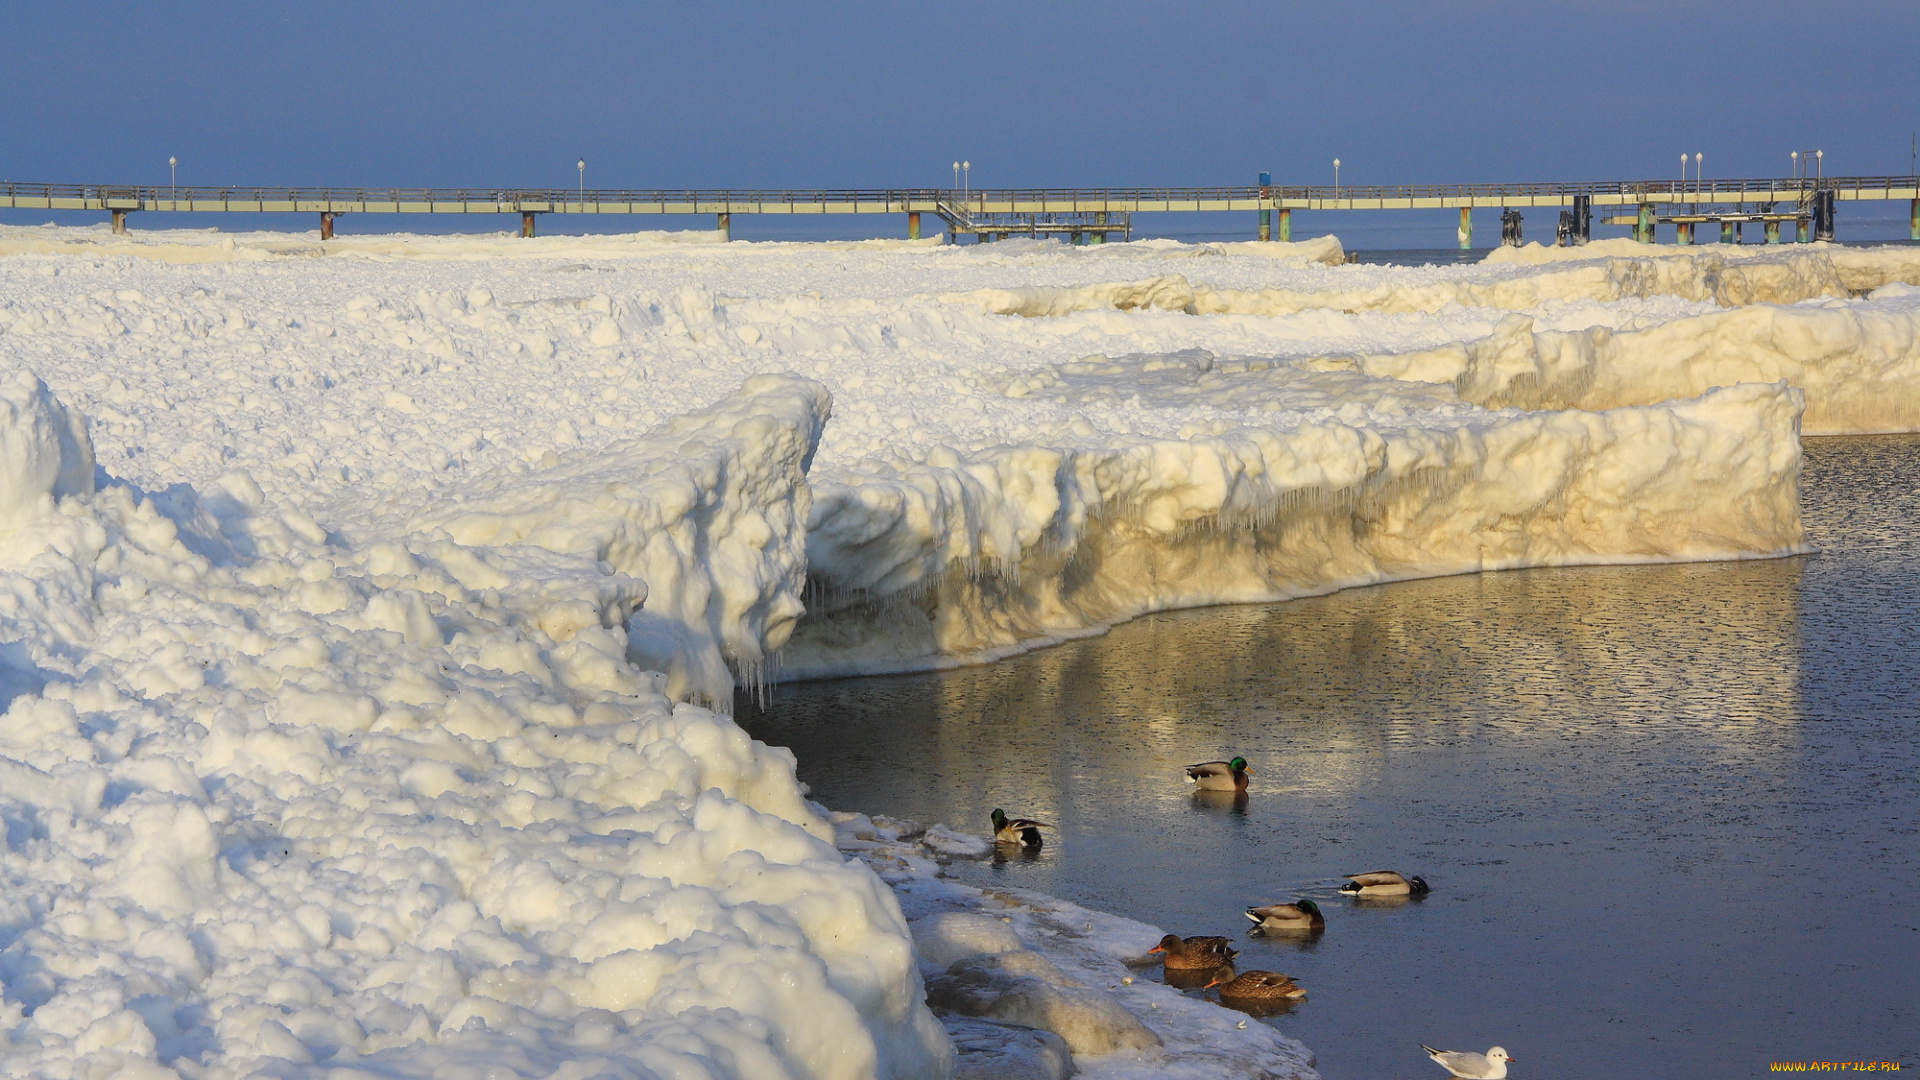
(1725, 278)
(277, 802)
(708, 511)
(1859, 362)
(965, 558)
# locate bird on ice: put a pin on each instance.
(1220, 775)
(1022, 831)
(1491, 1065)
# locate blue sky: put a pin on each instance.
(1055, 94)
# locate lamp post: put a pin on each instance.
(1698, 179)
(966, 179)
(1683, 171)
(1796, 164)
(582, 166)
(173, 177)
(1336, 178)
(1820, 165)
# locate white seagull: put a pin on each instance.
(1491, 1065)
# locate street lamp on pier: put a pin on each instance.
(1336, 178)
(582, 166)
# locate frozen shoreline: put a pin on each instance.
(351, 605)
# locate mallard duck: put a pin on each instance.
(1301, 916)
(1384, 883)
(1220, 775)
(1491, 1065)
(1251, 989)
(1195, 952)
(1018, 830)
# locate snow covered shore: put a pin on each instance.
(359, 603)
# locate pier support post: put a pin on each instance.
(1266, 212)
(1286, 225)
(1683, 233)
(1100, 231)
(725, 226)
(913, 224)
(526, 223)
(1466, 228)
(119, 222)
(1800, 231)
(326, 224)
(1913, 221)
(1726, 232)
(1643, 228)
(1773, 232)
(1823, 207)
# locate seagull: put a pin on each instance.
(1491, 1065)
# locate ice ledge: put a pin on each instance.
(1020, 547)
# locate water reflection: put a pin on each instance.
(1616, 779)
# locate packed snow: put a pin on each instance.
(370, 611)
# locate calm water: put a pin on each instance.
(1669, 813)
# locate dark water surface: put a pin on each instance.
(1670, 813)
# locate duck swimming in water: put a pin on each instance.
(1299, 917)
(1384, 883)
(1254, 989)
(1195, 953)
(1022, 831)
(1220, 775)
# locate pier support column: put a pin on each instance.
(326, 225)
(913, 224)
(526, 223)
(1266, 212)
(1643, 228)
(1800, 231)
(1466, 228)
(725, 225)
(120, 222)
(1683, 233)
(1913, 221)
(1286, 225)
(1726, 232)
(1773, 232)
(1100, 220)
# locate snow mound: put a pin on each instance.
(1858, 363)
(280, 803)
(44, 451)
(708, 512)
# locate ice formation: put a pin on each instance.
(361, 604)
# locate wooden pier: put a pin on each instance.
(985, 213)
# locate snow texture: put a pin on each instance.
(369, 611)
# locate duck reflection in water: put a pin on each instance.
(1195, 978)
(1009, 853)
(1232, 802)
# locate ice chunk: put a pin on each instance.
(44, 450)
